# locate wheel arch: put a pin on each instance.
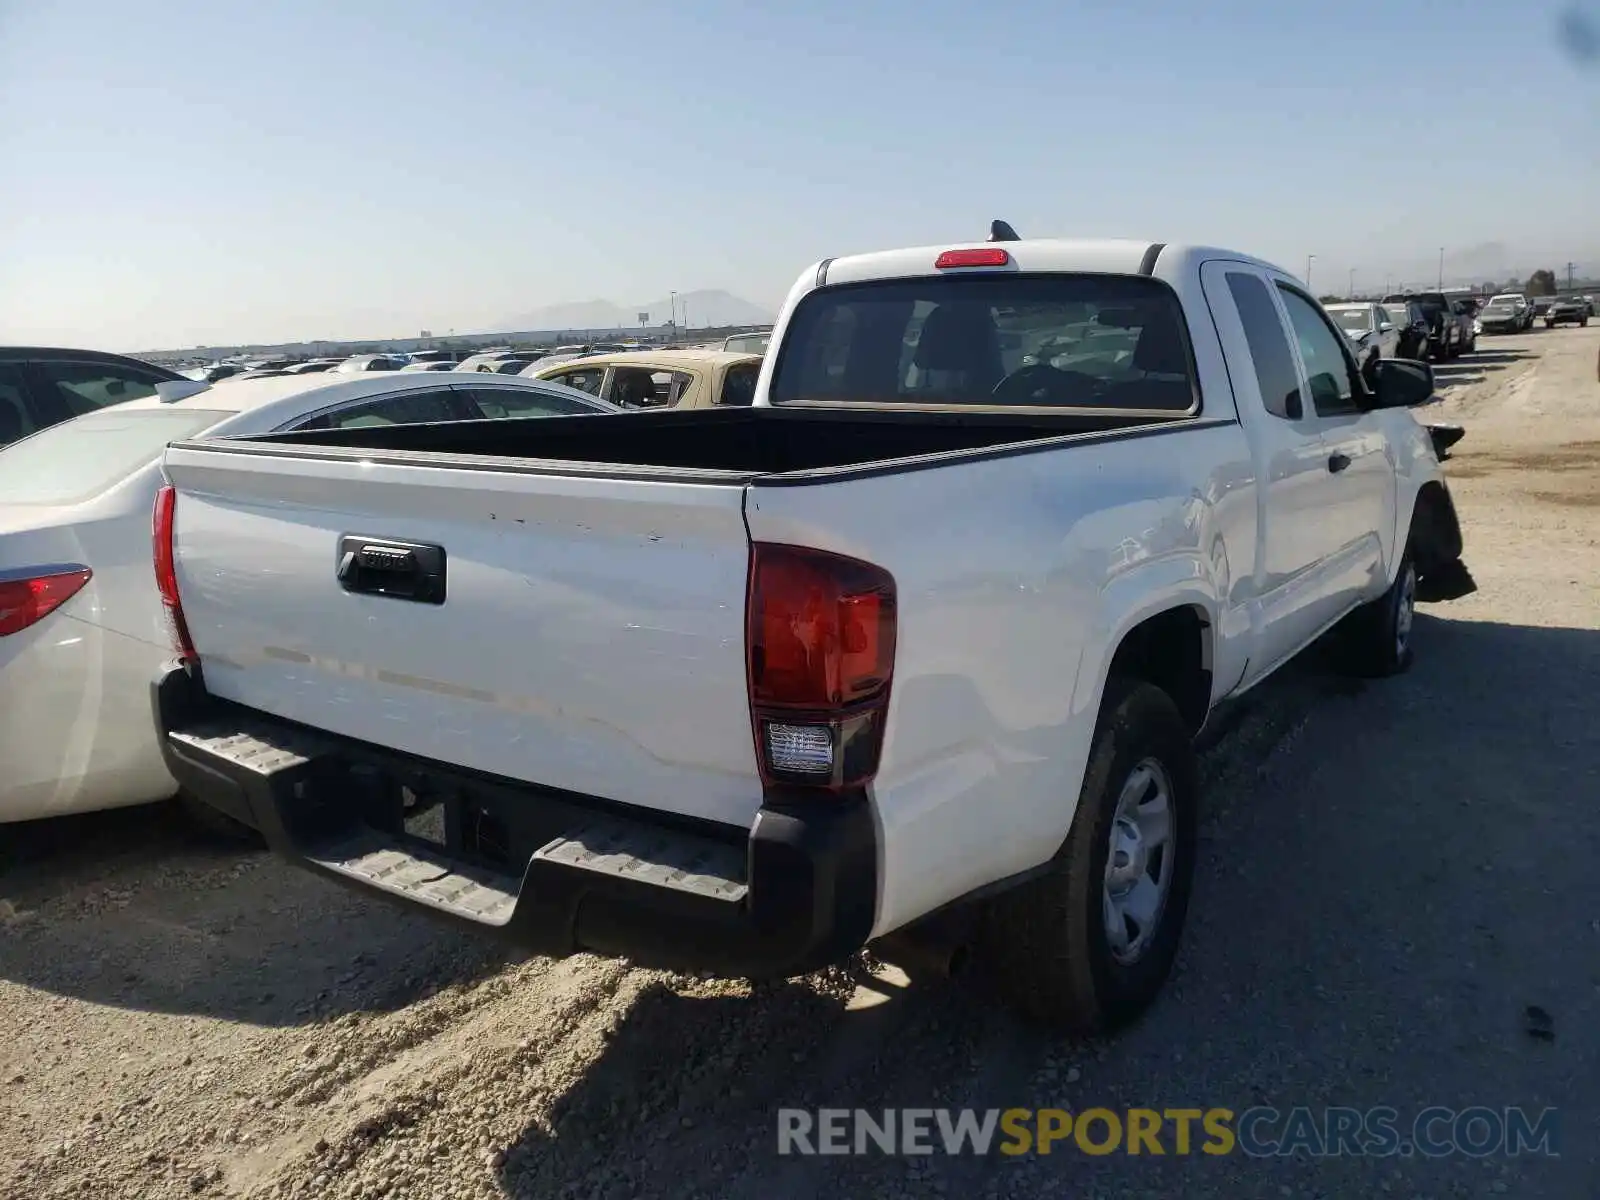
(1171, 644)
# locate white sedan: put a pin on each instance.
(82, 629)
(1368, 325)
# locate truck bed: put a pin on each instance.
(731, 443)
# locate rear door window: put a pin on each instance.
(86, 387)
(648, 387)
(1276, 375)
(17, 419)
(739, 385)
(585, 379)
(1054, 341)
(79, 459)
(408, 408)
(500, 403)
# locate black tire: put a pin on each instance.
(1376, 638)
(1046, 940)
(214, 825)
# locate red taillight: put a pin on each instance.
(24, 602)
(821, 637)
(972, 258)
(167, 572)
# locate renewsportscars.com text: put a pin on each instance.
(1259, 1132)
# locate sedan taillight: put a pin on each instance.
(27, 601)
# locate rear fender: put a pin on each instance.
(1136, 596)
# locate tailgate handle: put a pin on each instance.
(386, 567)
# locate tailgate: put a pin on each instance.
(591, 634)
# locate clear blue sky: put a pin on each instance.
(179, 172)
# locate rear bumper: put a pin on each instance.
(549, 871)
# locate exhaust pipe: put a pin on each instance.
(938, 946)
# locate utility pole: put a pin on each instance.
(1310, 258)
(1387, 290)
(673, 300)
(1441, 268)
(1570, 267)
(1352, 283)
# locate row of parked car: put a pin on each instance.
(505, 360)
(1439, 326)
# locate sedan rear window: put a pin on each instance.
(1054, 341)
(81, 458)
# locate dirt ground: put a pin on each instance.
(1390, 876)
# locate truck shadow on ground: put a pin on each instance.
(134, 909)
(1372, 906)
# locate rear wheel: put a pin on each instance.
(1088, 945)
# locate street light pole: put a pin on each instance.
(673, 300)
(1352, 283)
(1310, 258)
(1441, 268)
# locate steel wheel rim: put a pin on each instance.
(1406, 609)
(1140, 860)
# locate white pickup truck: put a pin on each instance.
(921, 641)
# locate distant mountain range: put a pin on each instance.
(695, 309)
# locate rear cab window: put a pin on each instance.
(79, 459)
(1077, 341)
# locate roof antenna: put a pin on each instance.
(999, 231)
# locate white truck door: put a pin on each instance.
(1293, 540)
(1360, 502)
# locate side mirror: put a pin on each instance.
(1386, 327)
(1402, 383)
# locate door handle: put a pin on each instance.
(384, 567)
(1338, 462)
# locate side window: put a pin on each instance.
(500, 403)
(1383, 317)
(646, 387)
(1269, 347)
(410, 408)
(739, 385)
(1329, 373)
(15, 419)
(86, 387)
(585, 379)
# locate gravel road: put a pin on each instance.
(1391, 875)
